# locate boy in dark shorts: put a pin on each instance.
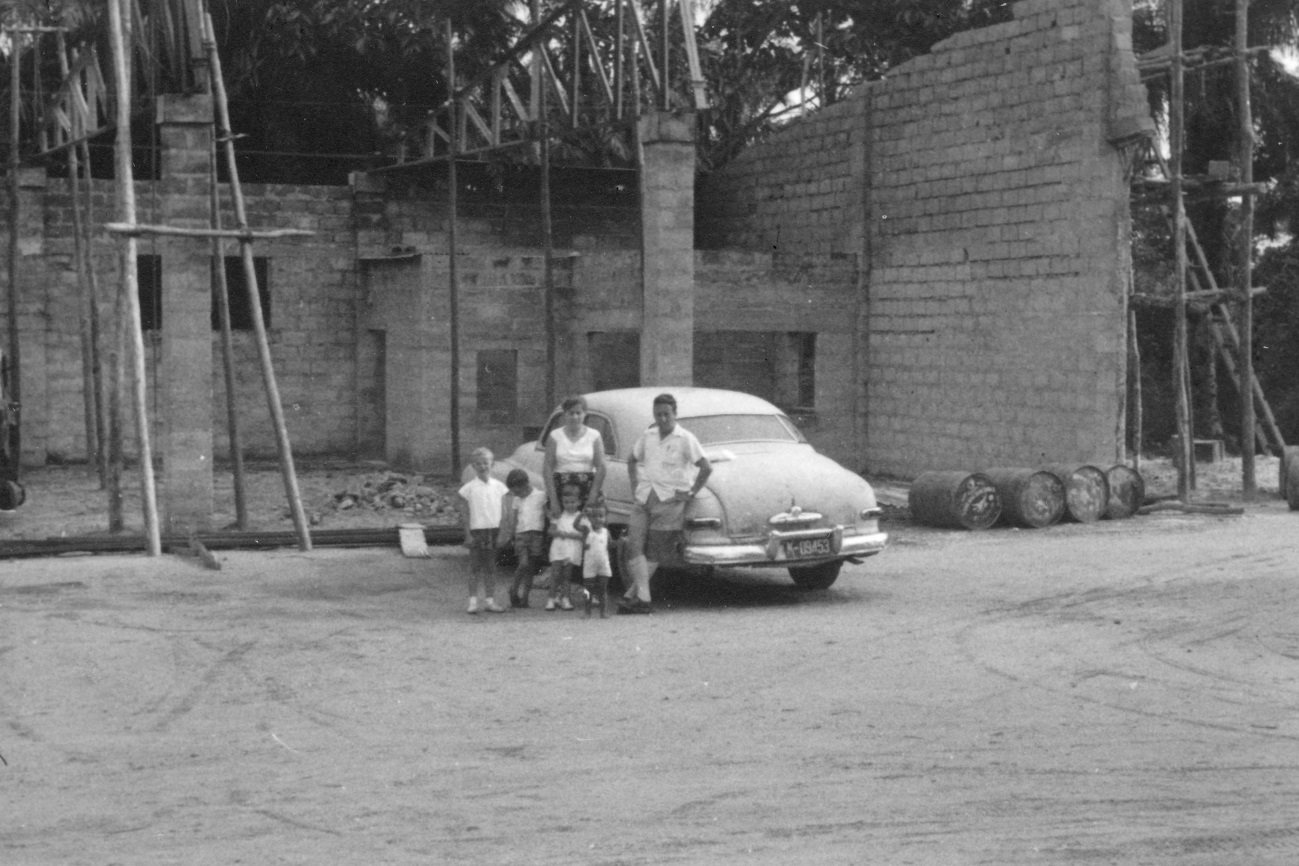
(524, 524)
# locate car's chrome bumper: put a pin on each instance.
(770, 552)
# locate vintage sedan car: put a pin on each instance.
(771, 500)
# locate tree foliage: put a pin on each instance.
(768, 60)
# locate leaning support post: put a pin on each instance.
(126, 205)
(254, 294)
(1249, 483)
(222, 295)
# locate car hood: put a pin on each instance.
(753, 486)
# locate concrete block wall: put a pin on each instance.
(800, 192)
(738, 291)
(999, 229)
(993, 221)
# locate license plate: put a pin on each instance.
(806, 548)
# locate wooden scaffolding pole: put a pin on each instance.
(222, 293)
(1180, 360)
(120, 27)
(87, 309)
(15, 373)
(453, 284)
(282, 445)
(1249, 483)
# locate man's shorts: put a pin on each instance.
(663, 522)
(529, 544)
(659, 516)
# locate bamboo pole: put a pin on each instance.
(115, 456)
(222, 293)
(254, 294)
(548, 246)
(1134, 371)
(94, 436)
(1249, 482)
(15, 289)
(126, 205)
(452, 277)
(1180, 360)
(241, 234)
(663, 27)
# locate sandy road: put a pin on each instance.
(1118, 693)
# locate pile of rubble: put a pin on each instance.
(416, 498)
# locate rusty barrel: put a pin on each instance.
(1127, 491)
(1288, 483)
(955, 499)
(1030, 498)
(1086, 491)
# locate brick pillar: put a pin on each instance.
(668, 240)
(185, 371)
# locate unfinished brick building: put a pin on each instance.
(929, 274)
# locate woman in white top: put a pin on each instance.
(574, 455)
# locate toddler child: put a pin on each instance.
(525, 521)
(596, 566)
(481, 499)
(565, 547)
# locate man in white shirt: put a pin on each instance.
(667, 468)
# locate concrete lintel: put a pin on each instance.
(176, 108)
(32, 178)
(364, 181)
(667, 126)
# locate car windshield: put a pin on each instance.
(718, 429)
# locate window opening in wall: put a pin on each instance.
(779, 366)
(498, 383)
(241, 308)
(148, 277)
(614, 358)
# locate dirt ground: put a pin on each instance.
(1122, 692)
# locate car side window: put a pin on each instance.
(601, 425)
(555, 421)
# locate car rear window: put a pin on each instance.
(717, 429)
(599, 423)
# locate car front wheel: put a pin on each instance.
(816, 576)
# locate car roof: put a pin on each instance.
(692, 402)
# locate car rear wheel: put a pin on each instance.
(816, 576)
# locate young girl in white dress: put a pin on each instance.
(565, 548)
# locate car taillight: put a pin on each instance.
(704, 523)
(872, 513)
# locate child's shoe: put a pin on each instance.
(473, 604)
(493, 606)
(565, 604)
(550, 604)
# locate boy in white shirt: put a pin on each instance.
(481, 500)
